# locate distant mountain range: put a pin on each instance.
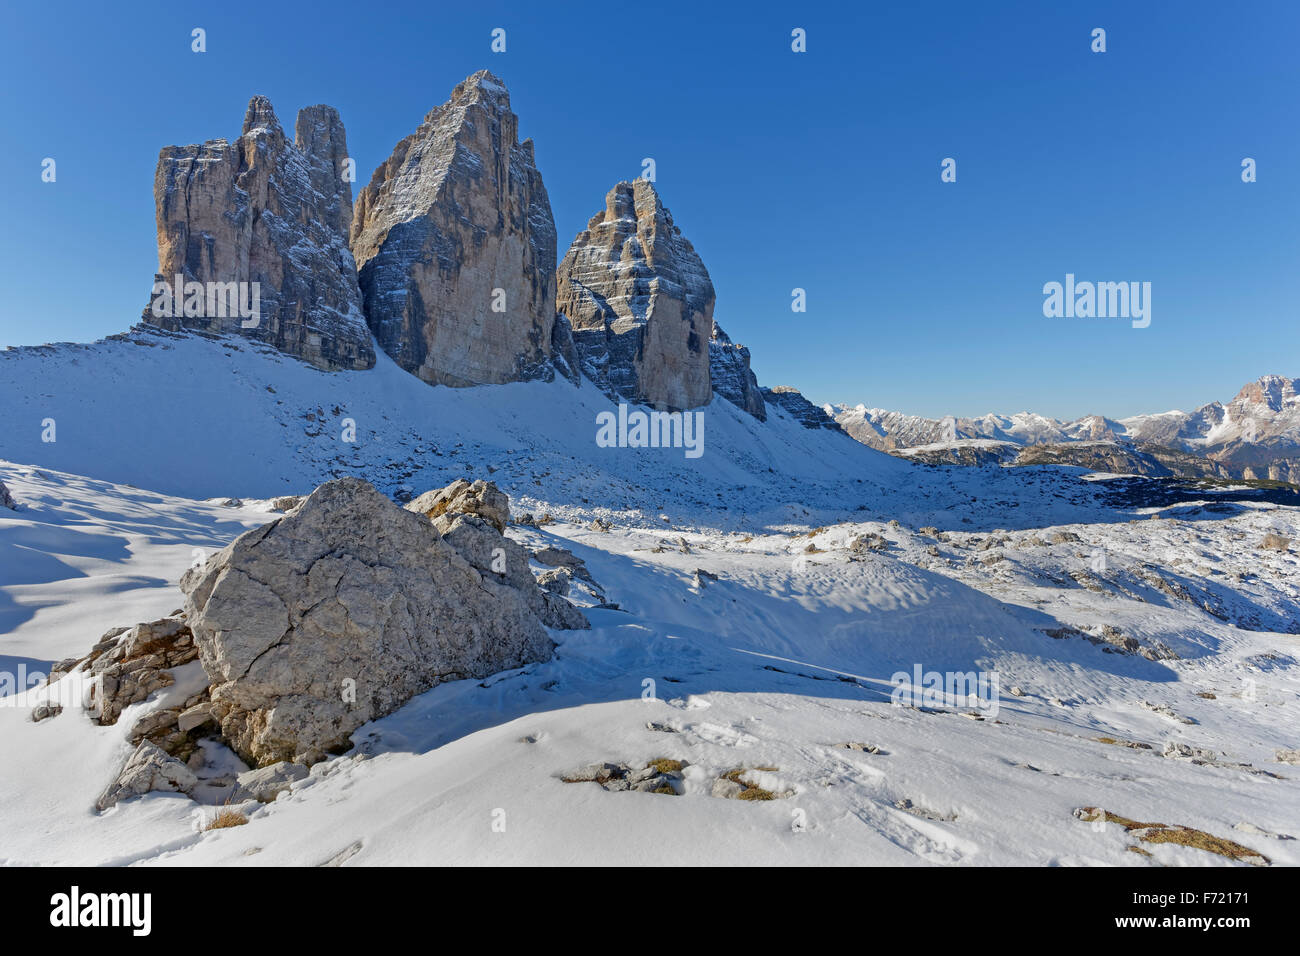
(1256, 435)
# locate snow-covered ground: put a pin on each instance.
(787, 656)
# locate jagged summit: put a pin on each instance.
(455, 242)
(261, 226)
(447, 257)
(640, 302)
(260, 115)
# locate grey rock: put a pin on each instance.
(457, 212)
(556, 581)
(731, 376)
(799, 408)
(558, 558)
(45, 711)
(868, 542)
(266, 210)
(726, 789)
(860, 747)
(1275, 542)
(492, 554)
(350, 587)
(266, 783)
(130, 663)
(6, 499)
(482, 498)
(148, 769)
(193, 718)
(640, 302)
(657, 782)
(702, 577)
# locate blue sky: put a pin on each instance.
(817, 170)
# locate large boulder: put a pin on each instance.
(343, 610)
(6, 499)
(640, 302)
(269, 211)
(456, 246)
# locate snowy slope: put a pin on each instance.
(790, 653)
(227, 418)
(785, 657)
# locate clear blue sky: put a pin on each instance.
(817, 170)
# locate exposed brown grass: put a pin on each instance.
(1180, 835)
(751, 791)
(666, 765)
(226, 818)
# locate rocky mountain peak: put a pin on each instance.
(254, 233)
(482, 85)
(640, 302)
(1273, 392)
(260, 115)
(455, 242)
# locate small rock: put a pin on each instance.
(148, 769)
(868, 542)
(1275, 542)
(45, 711)
(195, 717)
(703, 577)
(267, 783)
(482, 498)
(556, 581)
(557, 558)
(861, 748)
(726, 789)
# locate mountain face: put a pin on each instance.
(448, 258)
(799, 408)
(268, 211)
(640, 303)
(1255, 436)
(456, 246)
(731, 376)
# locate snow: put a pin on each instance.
(788, 655)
